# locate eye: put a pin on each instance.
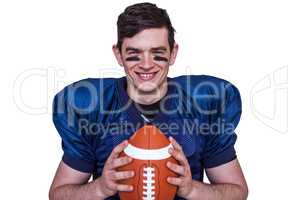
(159, 58)
(132, 58)
(132, 52)
(158, 52)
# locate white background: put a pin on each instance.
(45, 45)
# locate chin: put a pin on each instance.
(147, 89)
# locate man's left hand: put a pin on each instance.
(184, 180)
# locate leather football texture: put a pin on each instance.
(148, 147)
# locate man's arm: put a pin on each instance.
(70, 184)
(227, 182)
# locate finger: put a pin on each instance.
(174, 181)
(122, 188)
(122, 175)
(118, 162)
(175, 144)
(117, 150)
(179, 156)
(176, 168)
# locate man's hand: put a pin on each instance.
(108, 182)
(70, 184)
(227, 180)
(184, 181)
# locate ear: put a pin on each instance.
(117, 54)
(174, 53)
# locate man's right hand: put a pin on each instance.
(108, 182)
(70, 184)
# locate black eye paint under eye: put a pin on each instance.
(133, 58)
(159, 58)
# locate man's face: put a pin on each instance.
(146, 58)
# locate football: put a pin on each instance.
(148, 147)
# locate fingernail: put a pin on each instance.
(171, 150)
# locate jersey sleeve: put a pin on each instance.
(219, 143)
(76, 143)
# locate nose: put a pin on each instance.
(147, 63)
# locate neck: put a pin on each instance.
(147, 98)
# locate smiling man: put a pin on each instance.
(199, 114)
(146, 58)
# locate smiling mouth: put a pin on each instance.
(146, 76)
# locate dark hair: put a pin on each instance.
(141, 16)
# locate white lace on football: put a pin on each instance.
(147, 154)
(148, 184)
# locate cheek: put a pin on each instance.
(129, 68)
(129, 64)
(164, 66)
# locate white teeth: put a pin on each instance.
(146, 76)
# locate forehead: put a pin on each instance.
(148, 38)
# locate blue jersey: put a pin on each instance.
(201, 112)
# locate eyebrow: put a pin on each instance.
(133, 49)
(160, 48)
